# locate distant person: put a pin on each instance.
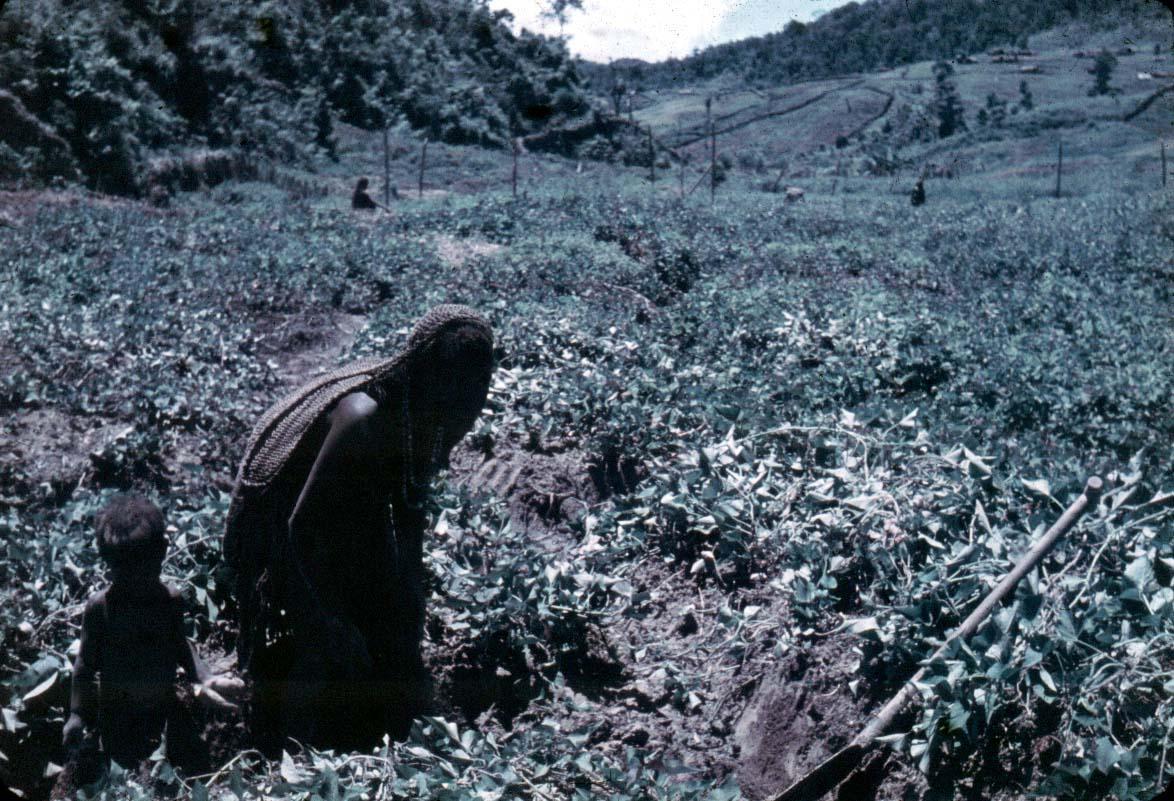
(132, 641)
(363, 201)
(917, 196)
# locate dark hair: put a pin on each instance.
(463, 341)
(130, 528)
(362, 184)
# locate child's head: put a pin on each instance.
(131, 538)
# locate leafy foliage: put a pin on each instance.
(834, 418)
(1102, 73)
(126, 80)
(947, 103)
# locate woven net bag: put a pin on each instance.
(279, 432)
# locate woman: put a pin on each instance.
(325, 534)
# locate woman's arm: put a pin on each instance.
(346, 459)
(209, 687)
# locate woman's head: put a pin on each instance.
(456, 377)
(448, 376)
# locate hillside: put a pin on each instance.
(869, 36)
(118, 83)
(1012, 109)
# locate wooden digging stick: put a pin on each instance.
(837, 767)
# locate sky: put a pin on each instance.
(657, 29)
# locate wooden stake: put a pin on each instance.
(651, 157)
(514, 177)
(712, 149)
(1059, 165)
(386, 171)
(423, 160)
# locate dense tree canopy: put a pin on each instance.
(120, 81)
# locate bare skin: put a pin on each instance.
(132, 639)
(362, 566)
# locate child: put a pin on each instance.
(132, 641)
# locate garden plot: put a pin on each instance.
(777, 443)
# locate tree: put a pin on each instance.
(1102, 72)
(324, 130)
(557, 10)
(947, 102)
(995, 113)
(1026, 101)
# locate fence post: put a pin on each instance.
(386, 171)
(1059, 165)
(423, 159)
(514, 175)
(712, 149)
(651, 157)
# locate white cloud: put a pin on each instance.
(657, 29)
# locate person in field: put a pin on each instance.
(325, 535)
(362, 200)
(132, 642)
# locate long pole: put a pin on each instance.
(835, 769)
(712, 149)
(1059, 165)
(651, 157)
(386, 171)
(514, 175)
(681, 160)
(1163, 162)
(423, 160)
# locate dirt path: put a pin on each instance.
(889, 98)
(694, 138)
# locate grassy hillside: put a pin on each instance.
(1016, 110)
(872, 35)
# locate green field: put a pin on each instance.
(744, 464)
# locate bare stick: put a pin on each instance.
(835, 769)
(1059, 165)
(423, 160)
(651, 157)
(386, 170)
(699, 180)
(712, 149)
(514, 176)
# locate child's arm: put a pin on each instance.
(207, 685)
(83, 694)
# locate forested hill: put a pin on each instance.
(95, 89)
(876, 34)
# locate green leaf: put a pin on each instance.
(1040, 486)
(289, 769)
(1140, 572)
(1107, 754)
